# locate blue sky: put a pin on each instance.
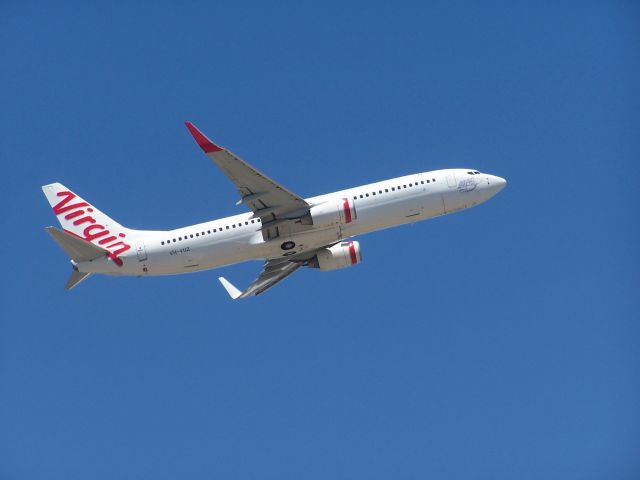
(500, 342)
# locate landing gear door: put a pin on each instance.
(140, 250)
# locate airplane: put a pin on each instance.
(282, 228)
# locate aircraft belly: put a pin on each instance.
(301, 242)
(194, 256)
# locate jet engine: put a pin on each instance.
(333, 212)
(341, 255)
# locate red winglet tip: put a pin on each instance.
(205, 144)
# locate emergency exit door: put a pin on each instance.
(140, 250)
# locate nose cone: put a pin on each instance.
(500, 183)
(496, 184)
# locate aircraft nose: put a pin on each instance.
(500, 182)
(496, 184)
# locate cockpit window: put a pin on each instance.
(477, 173)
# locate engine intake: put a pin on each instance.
(341, 255)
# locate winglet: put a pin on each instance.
(233, 292)
(205, 144)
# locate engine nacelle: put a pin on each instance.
(341, 255)
(333, 212)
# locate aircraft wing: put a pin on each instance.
(273, 272)
(268, 200)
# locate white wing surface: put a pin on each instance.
(268, 200)
(273, 272)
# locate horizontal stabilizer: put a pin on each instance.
(75, 278)
(77, 248)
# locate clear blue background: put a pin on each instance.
(501, 342)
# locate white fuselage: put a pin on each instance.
(239, 238)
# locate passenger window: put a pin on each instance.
(380, 192)
(386, 190)
(252, 221)
(367, 194)
(192, 235)
(197, 234)
(227, 227)
(355, 197)
(373, 193)
(360, 196)
(161, 243)
(393, 189)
